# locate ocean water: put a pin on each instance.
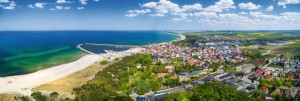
(23, 52)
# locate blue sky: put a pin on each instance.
(149, 14)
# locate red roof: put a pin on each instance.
(259, 71)
(268, 76)
(290, 75)
(161, 74)
(264, 89)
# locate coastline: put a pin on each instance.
(23, 84)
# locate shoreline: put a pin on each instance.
(24, 83)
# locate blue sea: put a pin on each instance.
(23, 52)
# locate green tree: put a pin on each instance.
(24, 98)
(142, 87)
(155, 85)
(38, 96)
(104, 62)
(54, 95)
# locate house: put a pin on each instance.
(275, 73)
(298, 66)
(170, 69)
(259, 71)
(187, 86)
(290, 93)
(236, 85)
(264, 90)
(138, 65)
(161, 74)
(246, 68)
(269, 76)
(187, 75)
(277, 91)
(290, 75)
(251, 87)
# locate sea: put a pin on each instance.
(23, 52)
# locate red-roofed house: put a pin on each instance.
(264, 90)
(161, 74)
(290, 75)
(269, 76)
(259, 71)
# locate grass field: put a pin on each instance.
(290, 49)
(64, 86)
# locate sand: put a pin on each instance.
(64, 86)
(24, 83)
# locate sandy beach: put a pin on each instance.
(24, 83)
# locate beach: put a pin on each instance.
(23, 84)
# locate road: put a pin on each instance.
(245, 78)
(152, 96)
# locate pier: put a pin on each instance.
(84, 50)
(110, 45)
(79, 46)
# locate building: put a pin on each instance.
(264, 90)
(245, 68)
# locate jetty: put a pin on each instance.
(110, 45)
(89, 52)
(84, 50)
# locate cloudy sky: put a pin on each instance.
(149, 14)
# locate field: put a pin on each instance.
(290, 49)
(64, 86)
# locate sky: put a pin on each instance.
(149, 14)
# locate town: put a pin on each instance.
(262, 79)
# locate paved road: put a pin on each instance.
(245, 78)
(152, 95)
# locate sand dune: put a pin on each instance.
(24, 83)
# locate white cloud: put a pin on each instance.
(11, 6)
(163, 7)
(196, 6)
(61, 8)
(220, 6)
(270, 8)
(67, 7)
(206, 14)
(96, 0)
(131, 15)
(249, 6)
(62, 1)
(285, 2)
(30, 6)
(150, 5)
(40, 5)
(4, 1)
(139, 11)
(214, 16)
(83, 2)
(243, 13)
(80, 8)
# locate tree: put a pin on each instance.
(217, 91)
(92, 92)
(177, 96)
(155, 85)
(38, 96)
(104, 62)
(24, 98)
(54, 95)
(142, 87)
